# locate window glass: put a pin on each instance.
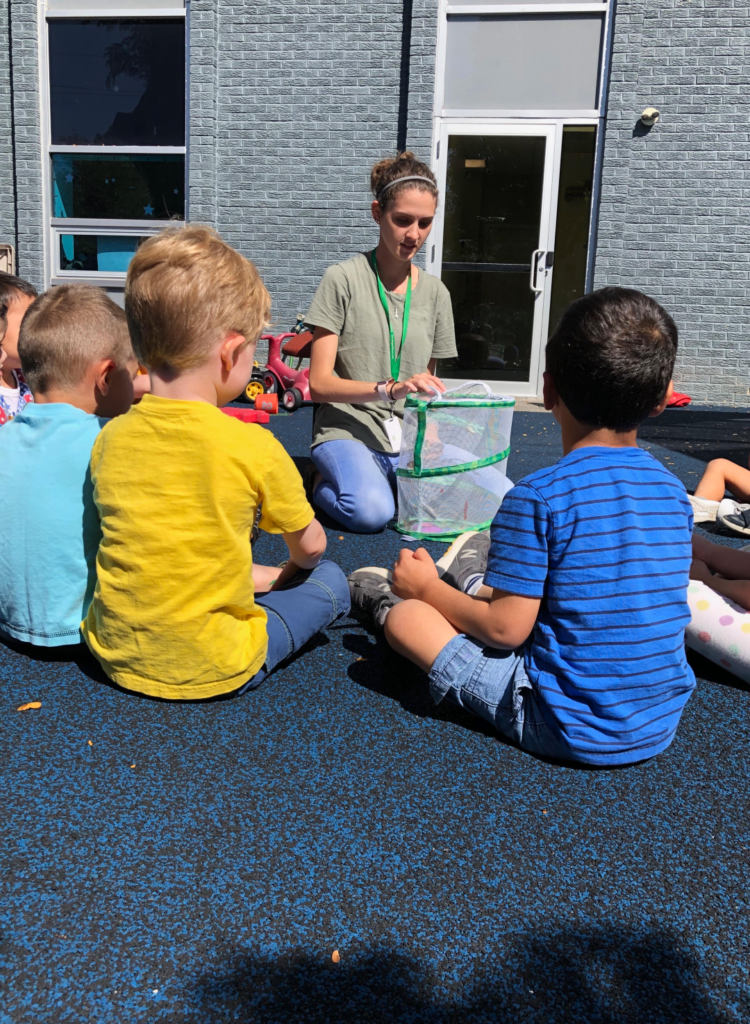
(117, 82)
(573, 216)
(109, 254)
(523, 62)
(501, 3)
(141, 187)
(493, 209)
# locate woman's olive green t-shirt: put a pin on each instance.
(347, 304)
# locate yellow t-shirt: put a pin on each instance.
(177, 485)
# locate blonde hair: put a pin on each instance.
(67, 329)
(404, 165)
(186, 289)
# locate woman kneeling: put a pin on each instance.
(380, 326)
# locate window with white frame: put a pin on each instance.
(527, 59)
(116, 123)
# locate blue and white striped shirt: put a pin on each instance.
(603, 538)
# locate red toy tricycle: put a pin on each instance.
(279, 377)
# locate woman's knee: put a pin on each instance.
(373, 511)
(354, 490)
(366, 511)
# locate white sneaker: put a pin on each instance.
(734, 516)
(704, 510)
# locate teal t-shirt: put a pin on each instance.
(48, 523)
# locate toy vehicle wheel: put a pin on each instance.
(253, 389)
(270, 383)
(292, 399)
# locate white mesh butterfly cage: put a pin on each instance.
(452, 467)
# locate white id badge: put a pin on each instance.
(393, 430)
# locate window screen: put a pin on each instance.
(523, 62)
(117, 82)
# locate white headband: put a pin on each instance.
(407, 177)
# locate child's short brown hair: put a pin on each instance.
(11, 287)
(186, 289)
(67, 329)
(612, 356)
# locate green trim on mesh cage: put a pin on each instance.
(464, 467)
(419, 439)
(450, 535)
(412, 402)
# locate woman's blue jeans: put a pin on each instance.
(358, 485)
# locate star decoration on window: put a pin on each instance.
(68, 177)
(176, 191)
(148, 210)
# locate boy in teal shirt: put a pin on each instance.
(77, 358)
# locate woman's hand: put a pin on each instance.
(424, 382)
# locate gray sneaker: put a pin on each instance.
(371, 595)
(734, 515)
(466, 557)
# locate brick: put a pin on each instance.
(678, 195)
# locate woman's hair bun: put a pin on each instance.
(404, 165)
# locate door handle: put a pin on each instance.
(535, 270)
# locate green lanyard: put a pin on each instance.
(395, 359)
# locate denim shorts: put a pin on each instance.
(494, 685)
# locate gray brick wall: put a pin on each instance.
(7, 206)
(674, 211)
(290, 105)
(25, 74)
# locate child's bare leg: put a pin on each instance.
(722, 475)
(727, 562)
(418, 631)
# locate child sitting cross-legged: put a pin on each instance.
(76, 356)
(176, 612)
(575, 646)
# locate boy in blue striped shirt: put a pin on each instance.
(574, 647)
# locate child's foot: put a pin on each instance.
(734, 516)
(704, 510)
(371, 594)
(465, 562)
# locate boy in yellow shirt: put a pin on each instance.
(177, 484)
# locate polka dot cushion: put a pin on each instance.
(719, 629)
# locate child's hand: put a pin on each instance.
(413, 574)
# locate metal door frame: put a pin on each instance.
(552, 132)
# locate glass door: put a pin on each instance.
(493, 249)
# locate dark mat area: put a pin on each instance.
(196, 864)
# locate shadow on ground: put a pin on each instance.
(600, 976)
(378, 669)
(704, 434)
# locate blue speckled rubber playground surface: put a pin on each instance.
(201, 863)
